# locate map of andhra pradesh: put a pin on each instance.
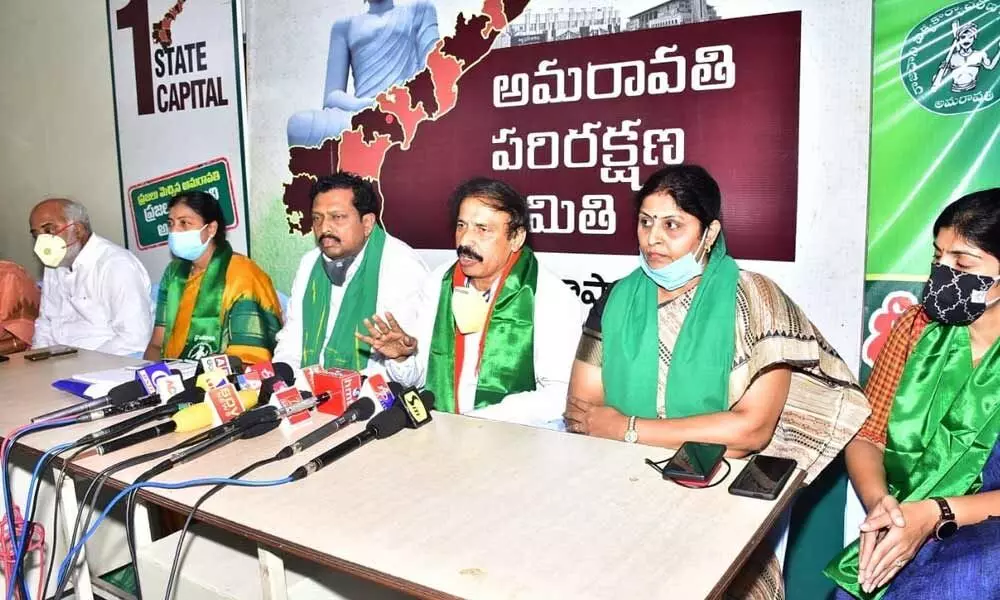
(428, 96)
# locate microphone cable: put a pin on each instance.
(27, 526)
(190, 518)
(8, 445)
(8, 501)
(258, 421)
(93, 440)
(84, 443)
(55, 512)
(95, 487)
(363, 410)
(70, 557)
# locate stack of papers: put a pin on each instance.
(99, 383)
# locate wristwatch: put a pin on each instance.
(631, 435)
(946, 525)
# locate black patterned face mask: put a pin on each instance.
(952, 297)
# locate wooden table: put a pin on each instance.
(461, 507)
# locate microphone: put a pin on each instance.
(385, 424)
(193, 417)
(283, 377)
(254, 421)
(110, 411)
(362, 410)
(120, 394)
(150, 375)
(165, 410)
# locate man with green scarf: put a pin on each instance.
(497, 331)
(356, 271)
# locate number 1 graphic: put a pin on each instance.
(135, 16)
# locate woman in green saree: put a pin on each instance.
(926, 465)
(212, 300)
(690, 348)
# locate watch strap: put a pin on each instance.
(945, 508)
(631, 435)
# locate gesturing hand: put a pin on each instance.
(387, 338)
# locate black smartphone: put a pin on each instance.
(695, 463)
(3, 358)
(764, 477)
(51, 351)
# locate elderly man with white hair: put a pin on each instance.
(95, 294)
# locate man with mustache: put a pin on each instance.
(357, 270)
(494, 337)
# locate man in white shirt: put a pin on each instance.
(356, 271)
(95, 294)
(497, 333)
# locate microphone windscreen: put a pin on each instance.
(236, 364)
(396, 388)
(194, 417)
(126, 392)
(261, 414)
(249, 398)
(427, 397)
(199, 416)
(364, 408)
(258, 429)
(284, 372)
(188, 396)
(388, 422)
(267, 389)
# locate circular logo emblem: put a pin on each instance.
(948, 61)
(200, 351)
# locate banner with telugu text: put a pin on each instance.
(574, 118)
(935, 124)
(176, 69)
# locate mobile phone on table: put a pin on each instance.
(764, 477)
(695, 464)
(3, 358)
(50, 352)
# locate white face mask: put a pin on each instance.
(470, 308)
(52, 249)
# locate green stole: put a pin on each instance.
(943, 425)
(702, 360)
(344, 351)
(206, 318)
(506, 352)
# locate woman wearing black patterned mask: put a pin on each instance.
(926, 465)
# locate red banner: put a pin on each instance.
(578, 125)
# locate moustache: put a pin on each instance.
(328, 236)
(465, 251)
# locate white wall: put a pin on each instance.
(57, 133)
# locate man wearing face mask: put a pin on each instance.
(95, 294)
(495, 336)
(356, 270)
(926, 464)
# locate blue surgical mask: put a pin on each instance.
(675, 275)
(187, 244)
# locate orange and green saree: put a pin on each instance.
(231, 307)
